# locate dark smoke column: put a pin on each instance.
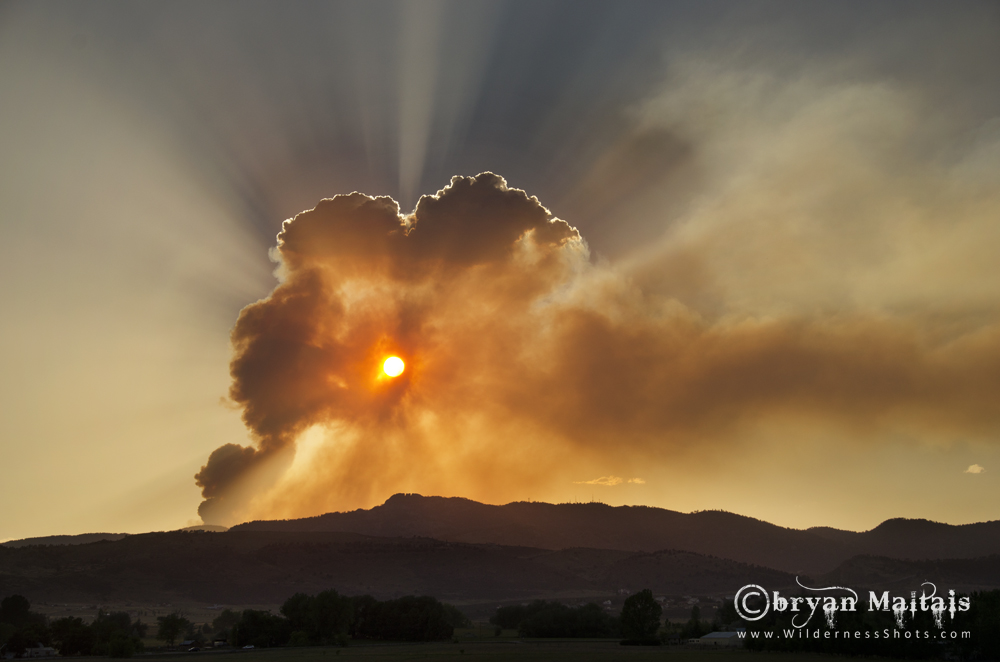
(305, 354)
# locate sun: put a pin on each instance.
(393, 366)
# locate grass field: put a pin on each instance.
(521, 651)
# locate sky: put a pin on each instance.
(693, 255)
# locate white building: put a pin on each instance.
(40, 651)
(730, 639)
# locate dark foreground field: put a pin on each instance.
(522, 651)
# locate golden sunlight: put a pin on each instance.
(393, 366)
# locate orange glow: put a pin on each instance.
(393, 366)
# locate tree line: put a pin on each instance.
(554, 619)
(111, 634)
(638, 623)
(322, 619)
(331, 618)
(305, 620)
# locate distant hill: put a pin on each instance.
(86, 538)
(642, 528)
(962, 575)
(215, 528)
(266, 567)
(81, 539)
(247, 566)
(467, 552)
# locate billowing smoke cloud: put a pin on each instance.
(527, 363)
(361, 282)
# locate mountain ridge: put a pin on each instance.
(266, 567)
(70, 539)
(261, 567)
(647, 529)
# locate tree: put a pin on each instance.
(512, 616)
(322, 619)
(694, 628)
(227, 619)
(115, 635)
(558, 620)
(171, 626)
(6, 632)
(261, 629)
(331, 616)
(15, 609)
(21, 628)
(121, 646)
(455, 617)
(224, 622)
(641, 617)
(727, 613)
(72, 636)
(409, 618)
(300, 611)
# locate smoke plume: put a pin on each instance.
(528, 363)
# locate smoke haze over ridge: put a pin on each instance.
(783, 302)
(530, 363)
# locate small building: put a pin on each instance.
(731, 639)
(40, 651)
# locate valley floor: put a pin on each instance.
(520, 651)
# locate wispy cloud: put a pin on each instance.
(608, 481)
(975, 469)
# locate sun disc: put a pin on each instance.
(393, 366)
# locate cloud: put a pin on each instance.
(607, 481)
(452, 283)
(528, 362)
(610, 481)
(820, 192)
(974, 469)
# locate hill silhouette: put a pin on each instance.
(266, 567)
(646, 529)
(80, 539)
(85, 538)
(467, 552)
(962, 575)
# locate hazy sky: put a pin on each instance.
(759, 272)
